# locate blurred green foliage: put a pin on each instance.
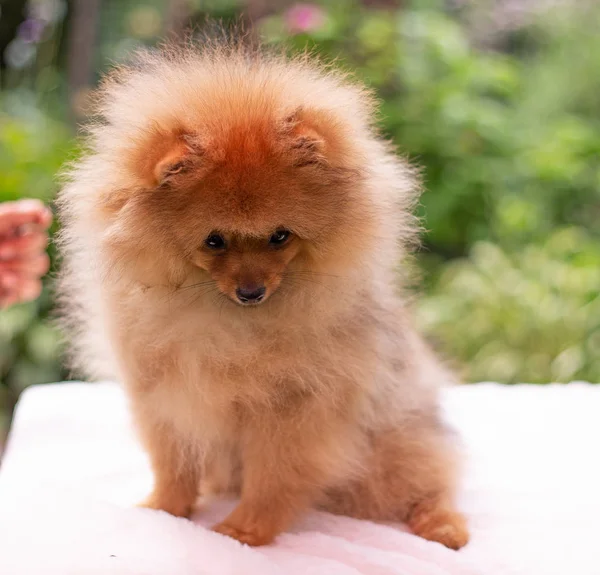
(530, 315)
(32, 149)
(508, 140)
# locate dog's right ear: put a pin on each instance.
(171, 160)
(162, 156)
(170, 156)
(158, 158)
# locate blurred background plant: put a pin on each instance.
(497, 100)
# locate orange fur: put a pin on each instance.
(322, 395)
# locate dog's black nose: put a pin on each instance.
(250, 294)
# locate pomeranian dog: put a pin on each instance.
(232, 240)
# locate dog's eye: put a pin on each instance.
(215, 242)
(279, 237)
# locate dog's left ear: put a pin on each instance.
(303, 139)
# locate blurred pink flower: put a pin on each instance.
(304, 18)
(31, 30)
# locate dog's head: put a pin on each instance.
(248, 178)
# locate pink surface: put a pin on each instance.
(532, 493)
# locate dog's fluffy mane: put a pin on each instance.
(157, 93)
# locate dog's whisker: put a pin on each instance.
(315, 273)
(299, 281)
(192, 286)
(202, 294)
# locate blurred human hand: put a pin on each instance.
(23, 260)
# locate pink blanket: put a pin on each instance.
(532, 493)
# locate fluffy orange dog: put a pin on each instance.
(231, 246)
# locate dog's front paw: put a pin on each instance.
(172, 505)
(446, 527)
(251, 535)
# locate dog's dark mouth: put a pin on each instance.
(248, 303)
